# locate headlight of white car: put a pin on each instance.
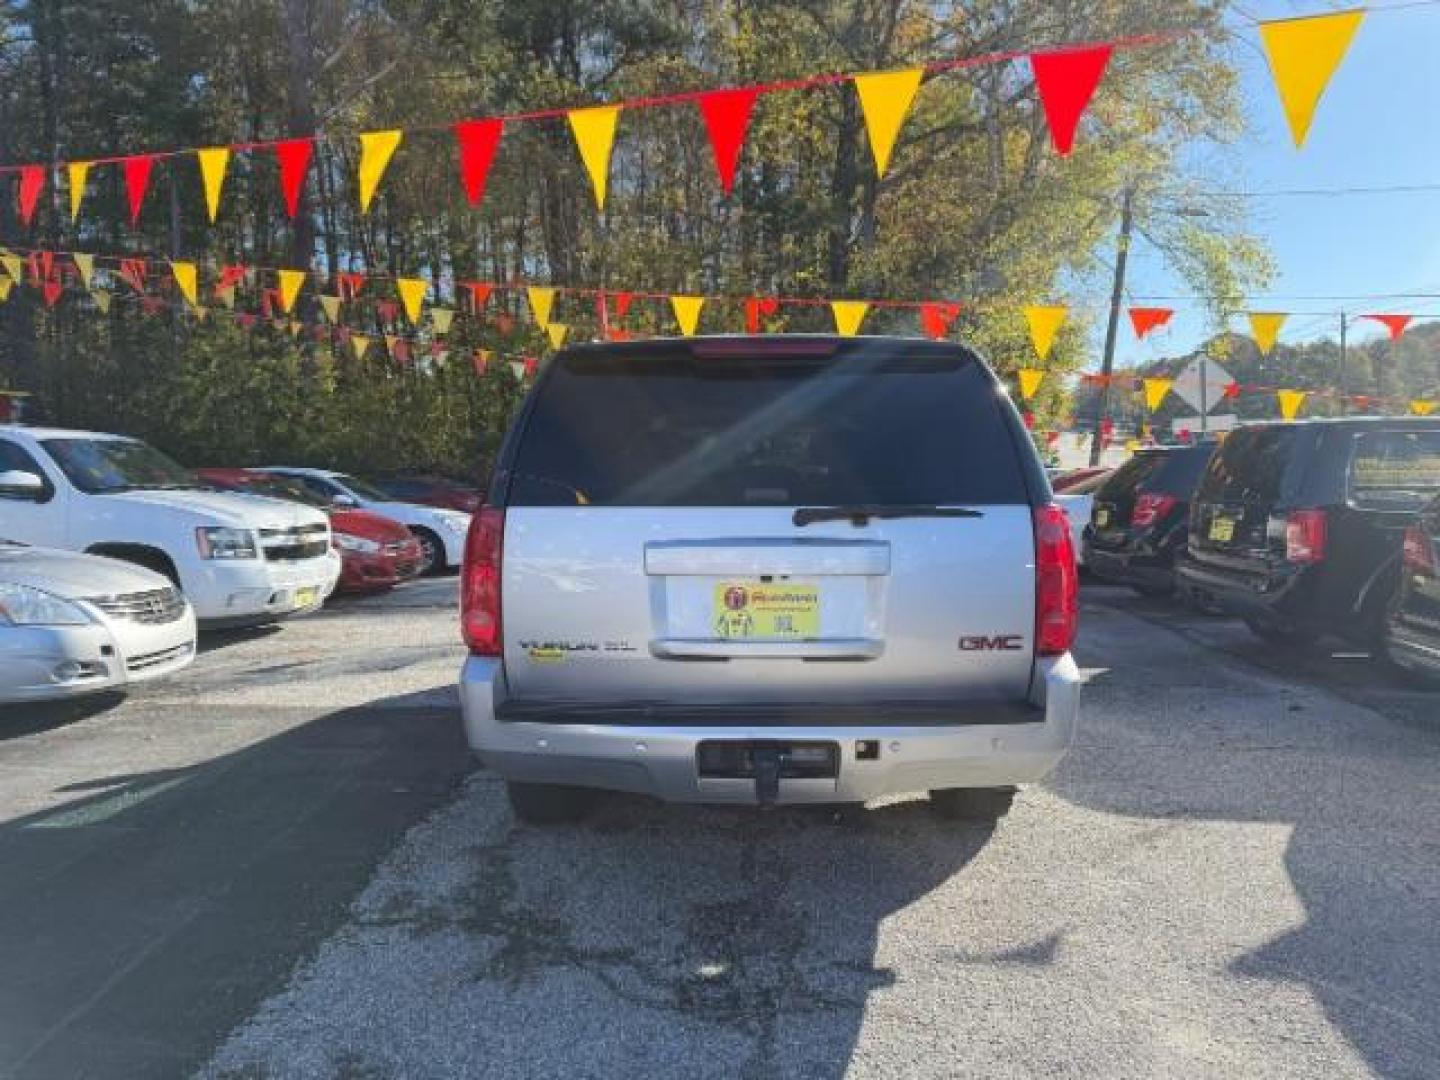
(221, 543)
(346, 542)
(21, 605)
(456, 523)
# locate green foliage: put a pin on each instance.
(976, 205)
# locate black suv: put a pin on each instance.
(1138, 522)
(1412, 639)
(1298, 528)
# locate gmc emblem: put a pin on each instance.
(1000, 642)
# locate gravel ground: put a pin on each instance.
(1235, 873)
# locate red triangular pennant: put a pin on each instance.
(755, 307)
(1232, 390)
(478, 140)
(479, 293)
(936, 319)
(1145, 319)
(152, 305)
(137, 179)
(531, 364)
(727, 118)
(271, 302)
(1395, 324)
(389, 310)
(51, 291)
(1065, 81)
(349, 284)
(623, 300)
(617, 334)
(32, 182)
(294, 158)
(231, 274)
(132, 271)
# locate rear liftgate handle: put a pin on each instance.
(768, 760)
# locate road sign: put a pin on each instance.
(1202, 384)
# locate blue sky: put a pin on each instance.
(1378, 125)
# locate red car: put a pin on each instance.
(375, 552)
(431, 491)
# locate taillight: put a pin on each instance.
(1150, 508)
(480, 583)
(1305, 534)
(1419, 552)
(1057, 587)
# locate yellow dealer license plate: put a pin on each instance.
(305, 597)
(1222, 529)
(1102, 518)
(764, 610)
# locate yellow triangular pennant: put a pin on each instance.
(885, 99)
(330, 305)
(1044, 323)
(1030, 379)
(376, 149)
(295, 327)
(849, 314)
(290, 282)
(14, 266)
(187, 280)
(1290, 402)
(360, 343)
(390, 342)
(5, 286)
(102, 300)
(412, 296)
(542, 299)
(687, 312)
(86, 265)
(1155, 391)
(594, 131)
(1303, 54)
(1265, 328)
(212, 172)
(557, 332)
(1422, 406)
(77, 171)
(440, 319)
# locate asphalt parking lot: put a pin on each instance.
(282, 864)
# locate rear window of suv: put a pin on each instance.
(1171, 472)
(1395, 470)
(1250, 467)
(886, 426)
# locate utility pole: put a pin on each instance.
(1344, 400)
(1107, 364)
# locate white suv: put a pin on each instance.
(794, 569)
(239, 559)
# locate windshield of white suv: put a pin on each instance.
(102, 466)
(874, 426)
(365, 489)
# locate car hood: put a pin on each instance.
(368, 525)
(225, 508)
(72, 575)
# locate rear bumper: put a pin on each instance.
(1129, 568)
(985, 747)
(1240, 594)
(1417, 652)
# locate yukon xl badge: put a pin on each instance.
(997, 643)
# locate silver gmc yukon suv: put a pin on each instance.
(769, 570)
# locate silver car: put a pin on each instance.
(75, 624)
(791, 569)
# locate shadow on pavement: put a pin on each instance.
(1360, 793)
(31, 719)
(142, 921)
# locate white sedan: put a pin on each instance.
(441, 532)
(74, 624)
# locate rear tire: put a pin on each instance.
(548, 804)
(972, 804)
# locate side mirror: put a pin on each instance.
(344, 502)
(18, 484)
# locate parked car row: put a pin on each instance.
(112, 554)
(1323, 528)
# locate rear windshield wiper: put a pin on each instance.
(859, 513)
